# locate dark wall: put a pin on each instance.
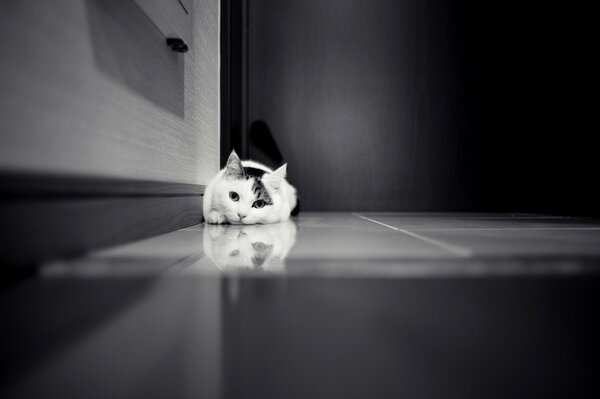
(424, 105)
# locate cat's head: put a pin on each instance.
(248, 195)
(257, 247)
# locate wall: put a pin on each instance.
(427, 105)
(90, 88)
(362, 99)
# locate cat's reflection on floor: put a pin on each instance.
(261, 247)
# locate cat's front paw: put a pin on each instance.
(215, 217)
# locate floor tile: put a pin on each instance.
(517, 243)
(150, 256)
(484, 222)
(300, 338)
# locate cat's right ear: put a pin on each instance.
(234, 166)
(275, 178)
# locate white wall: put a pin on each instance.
(90, 88)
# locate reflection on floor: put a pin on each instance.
(368, 305)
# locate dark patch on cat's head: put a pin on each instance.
(261, 192)
(250, 172)
(258, 188)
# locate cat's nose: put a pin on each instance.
(241, 215)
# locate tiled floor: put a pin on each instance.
(329, 305)
(361, 244)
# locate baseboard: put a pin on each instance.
(46, 217)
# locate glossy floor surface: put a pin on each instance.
(336, 305)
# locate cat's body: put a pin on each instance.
(247, 192)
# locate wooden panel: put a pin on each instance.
(90, 87)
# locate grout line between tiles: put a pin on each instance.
(448, 247)
(503, 228)
(495, 216)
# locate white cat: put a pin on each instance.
(247, 192)
(257, 247)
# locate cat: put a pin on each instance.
(256, 247)
(247, 192)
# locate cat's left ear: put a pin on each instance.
(275, 178)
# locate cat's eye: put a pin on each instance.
(258, 204)
(234, 196)
(235, 252)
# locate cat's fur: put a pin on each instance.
(257, 247)
(254, 185)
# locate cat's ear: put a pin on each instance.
(234, 166)
(275, 178)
